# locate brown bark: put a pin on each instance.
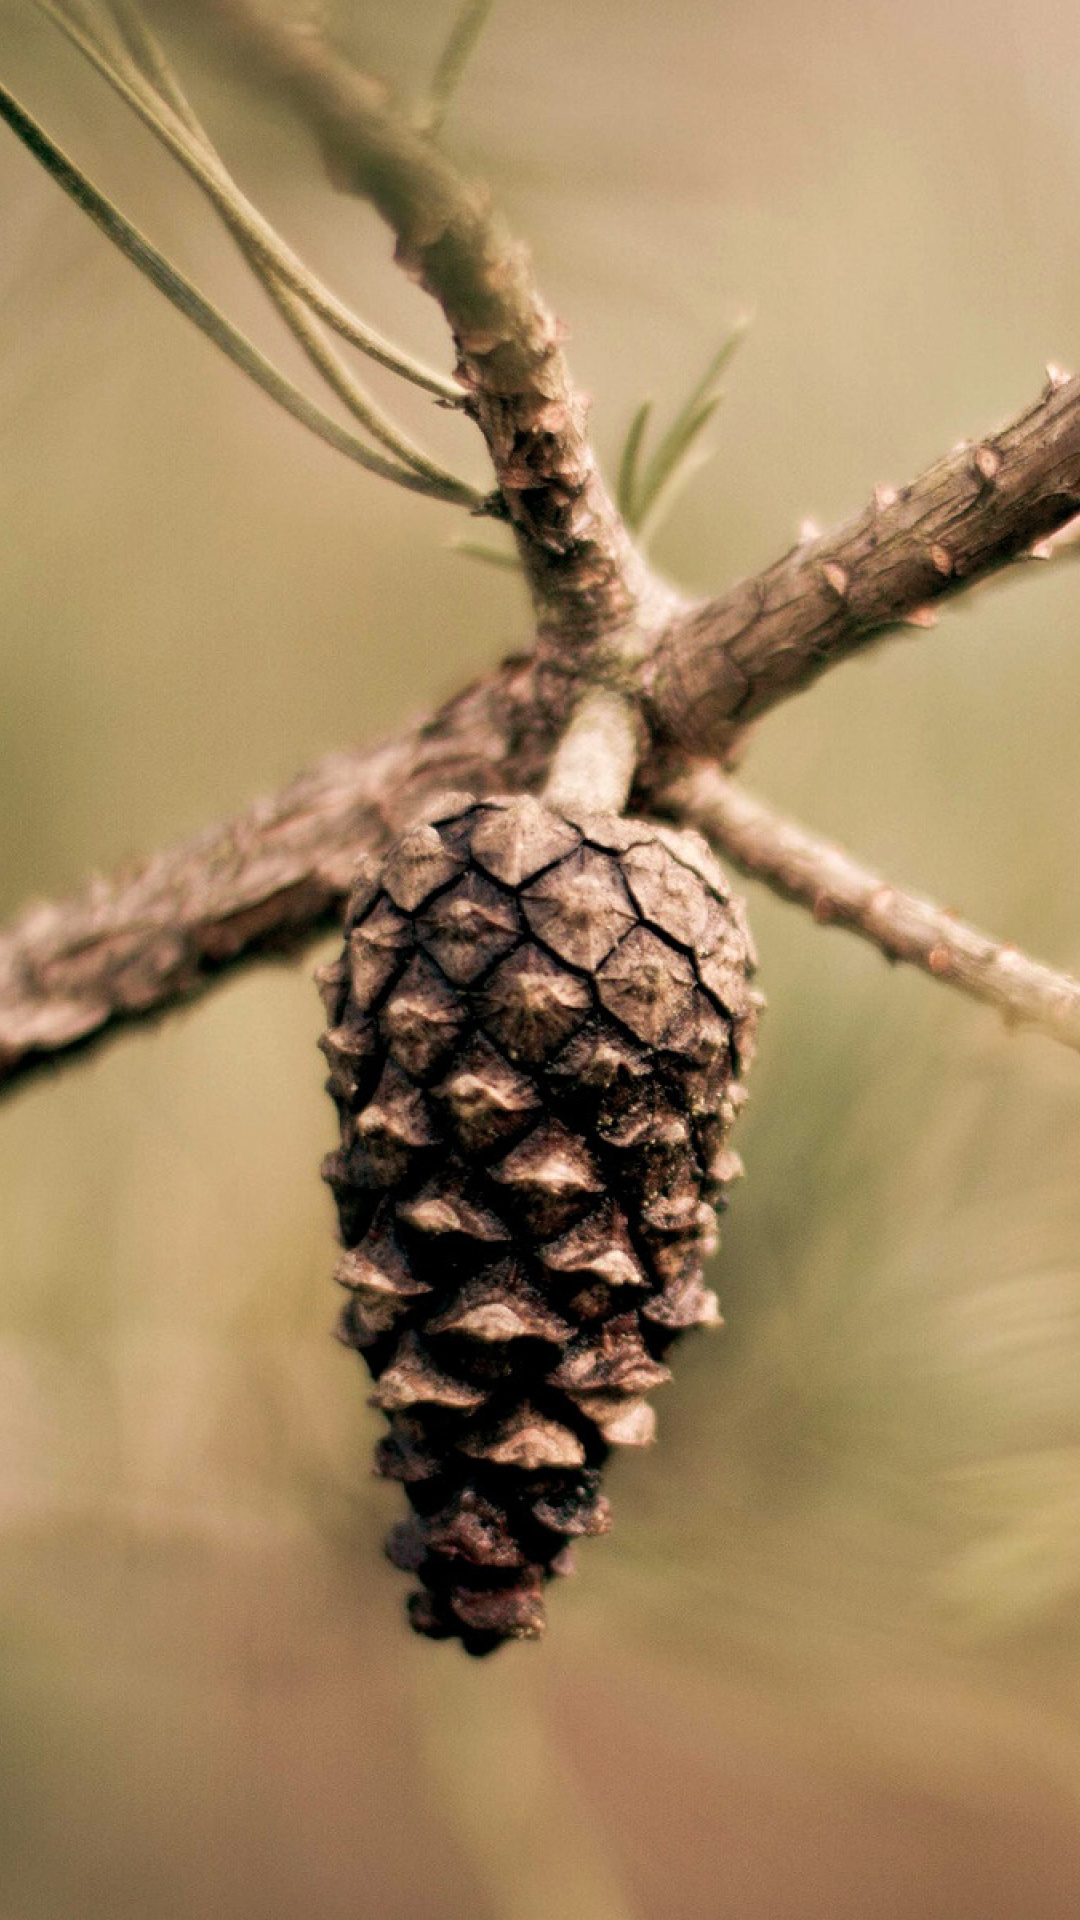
(148, 939)
(729, 660)
(261, 886)
(720, 665)
(903, 926)
(267, 884)
(589, 584)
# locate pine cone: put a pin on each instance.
(535, 1034)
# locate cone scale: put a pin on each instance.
(536, 1032)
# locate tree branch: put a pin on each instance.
(158, 935)
(134, 946)
(267, 884)
(715, 667)
(840, 892)
(731, 659)
(145, 941)
(163, 933)
(590, 585)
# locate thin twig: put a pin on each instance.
(587, 580)
(985, 505)
(903, 926)
(195, 307)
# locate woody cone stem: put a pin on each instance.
(536, 1032)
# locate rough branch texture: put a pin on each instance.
(149, 939)
(731, 659)
(589, 584)
(268, 883)
(901, 925)
(146, 940)
(162, 933)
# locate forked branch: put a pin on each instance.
(725, 662)
(622, 672)
(270, 882)
(596, 601)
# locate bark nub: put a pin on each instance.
(535, 1038)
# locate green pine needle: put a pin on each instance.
(679, 441)
(464, 34)
(626, 486)
(204, 315)
(491, 556)
(671, 492)
(646, 488)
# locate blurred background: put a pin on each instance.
(828, 1663)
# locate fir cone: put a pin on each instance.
(536, 1031)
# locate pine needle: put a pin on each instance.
(646, 489)
(676, 484)
(206, 168)
(464, 34)
(204, 315)
(626, 486)
(491, 556)
(143, 77)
